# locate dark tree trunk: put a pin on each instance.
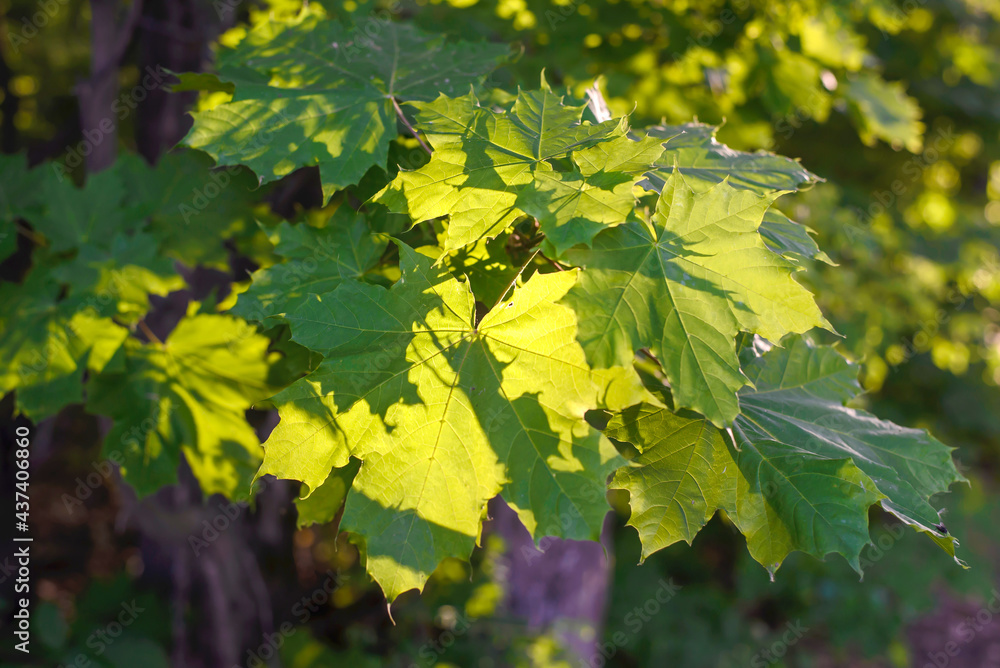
(173, 35)
(109, 38)
(8, 132)
(562, 587)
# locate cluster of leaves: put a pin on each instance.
(440, 391)
(70, 330)
(932, 251)
(917, 228)
(572, 294)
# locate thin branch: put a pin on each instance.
(517, 276)
(24, 231)
(402, 117)
(555, 264)
(149, 333)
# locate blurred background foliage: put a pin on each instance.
(895, 104)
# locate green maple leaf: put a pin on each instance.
(322, 504)
(16, 182)
(883, 110)
(116, 277)
(683, 285)
(791, 84)
(485, 263)
(313, 92)
(8, 242)
(485, 160)
(96, 243)
(94, 263)
(445, 413)
(70, 217)
(186, 396)
(318, 259)
(800, 392)
(21, 196)
(573, 207)
(676, 483)
(693, 150)
(798, 473)
(790, 239)
(47, 343)
(191, 207)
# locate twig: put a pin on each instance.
(38, 239)
(518, 275)
(149, 333)
(402, 117)
(555, 264)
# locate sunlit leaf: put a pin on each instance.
(683, 285)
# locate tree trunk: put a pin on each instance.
(108, 41)
(561, 588)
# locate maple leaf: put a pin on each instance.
(322, 505)
(317, 260)
(186, 396)
(883, 110)
(489, 167)
(96, 244)
(444, 413)
(47, 343)
(311, 92)
(798, 472)
(20, 196)
(573, 207)
(190, 206)
(693, 150)
(115, 277)
(790, 239)
(683, 285)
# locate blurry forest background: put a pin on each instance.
(895, 104)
